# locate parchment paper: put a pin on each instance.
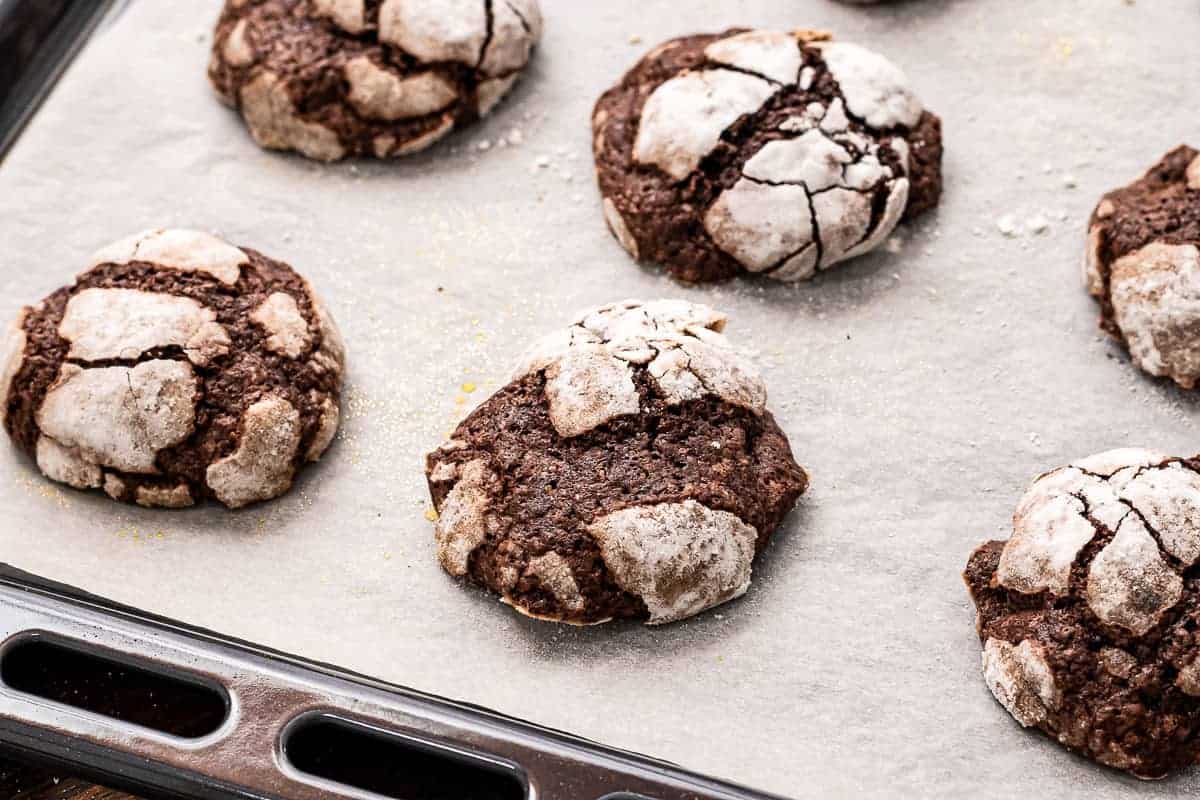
(923, 386)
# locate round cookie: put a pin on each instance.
(629, 469)
(177, 367)
(1143, 265)
(383, 78)
(1088, 614)
(757, 151)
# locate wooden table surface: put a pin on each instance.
(24, 783)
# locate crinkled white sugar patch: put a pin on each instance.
(275, 123)
(679, 558)
(1142, 498)
(1129, 584)
(589, 366)
(262, 465)
(462, 519)
(287, 330)
(1021, 680)
(1155, 295)
(457, 30)
(183, 250)
(805, 203)
(774, 55)
(683, 119)
(121, 417)
(1051, 524)
(876, 90)
(125, 323)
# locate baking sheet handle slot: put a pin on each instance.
(396, 766)
(121, 688)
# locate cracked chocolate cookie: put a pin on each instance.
(1089, 615)
(764, 152)
(177, 367)
(383, 78)
(630, 469)
(1143, 265)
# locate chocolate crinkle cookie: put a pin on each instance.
(1089, 613)
(629, 469)
(1143, 265)
(177, 367)
(383, 78)
(758, 151)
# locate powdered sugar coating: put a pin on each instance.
(805, 203)
(1130, 584)
(684, 118)
(237, 50)
(619, 228)
(1020, 679)
(461, 524)
(435, 30)
(286, 329)
(679, 558)
(1049, 530)
(1168, 498)
(121, 417)
(589, 366)
(379, 93)
(331, 417)
(261, 467)
(586, 387)
(275, 123)
(761, 225)
(176, 248)
(125, 323)
(66, 465)
(1053, 520)
(771, 54)
(876, 90)
(812, 159)
(1110, 462)
(1155, 295)
(516, 28)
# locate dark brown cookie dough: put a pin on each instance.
(763, 152)
(1143, 266)
(630, 469)
(1089, 614)
(177, 367)
(383, 78)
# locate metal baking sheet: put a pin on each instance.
(923, 386)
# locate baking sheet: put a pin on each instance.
(923, 386)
